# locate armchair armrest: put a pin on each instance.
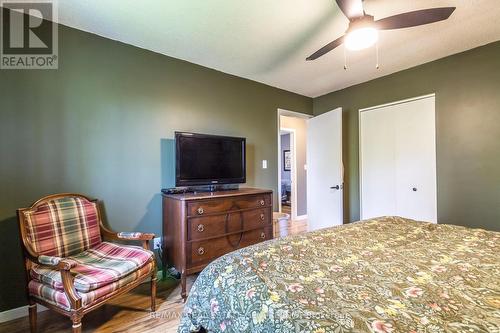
(68, 279)
(64, 266)
(49, 260)
(136, 236)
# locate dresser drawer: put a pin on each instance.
(221, 205)
(202, 252)
(257, 218)
(215, 225)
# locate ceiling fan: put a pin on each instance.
(363, 29)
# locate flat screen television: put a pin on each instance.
(203, 159)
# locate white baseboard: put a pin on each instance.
(301, 217)
(18, 313)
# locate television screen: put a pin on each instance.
(203, 159)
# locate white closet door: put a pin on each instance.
(378, 170)
(398, 160)
(416, 160)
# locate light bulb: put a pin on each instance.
(361, 38)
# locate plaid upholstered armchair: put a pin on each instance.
(69, 266)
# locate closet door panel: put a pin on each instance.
(415, 153)
(377, 157)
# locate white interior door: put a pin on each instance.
(324, 170)
(398, 160)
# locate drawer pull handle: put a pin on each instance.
(262, 235)
(262, 202)
(201, 228)
(262, 217)
(201, 251)
(200, 210)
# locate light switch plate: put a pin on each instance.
(264, 164)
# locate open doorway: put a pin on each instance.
(288, 172)
(292, 172)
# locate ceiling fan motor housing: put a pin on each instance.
(366, 21)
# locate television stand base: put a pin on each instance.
(214, 188)
(200, 189)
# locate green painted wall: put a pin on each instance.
(103, 125)
(467, 87)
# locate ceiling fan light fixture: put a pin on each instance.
(363, 29)
(361, 38)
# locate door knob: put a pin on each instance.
(414, 189)
(335, 187)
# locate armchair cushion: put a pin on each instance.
(58, 298)
(63, 227)
(97, 267)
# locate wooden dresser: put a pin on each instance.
(200, 227)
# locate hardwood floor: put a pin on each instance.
(129, 312)
(294, 227)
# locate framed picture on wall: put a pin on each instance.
(287, 160)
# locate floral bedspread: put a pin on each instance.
(382, 275)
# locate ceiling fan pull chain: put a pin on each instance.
(345, 58)
(376, 47)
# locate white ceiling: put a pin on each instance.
(268, 40)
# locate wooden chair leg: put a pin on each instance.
(32, 314)
(77, 324)
(153, 292)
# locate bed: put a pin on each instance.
(382, 275)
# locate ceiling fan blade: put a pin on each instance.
(416, 18)
(325, 49)
(351, 8)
